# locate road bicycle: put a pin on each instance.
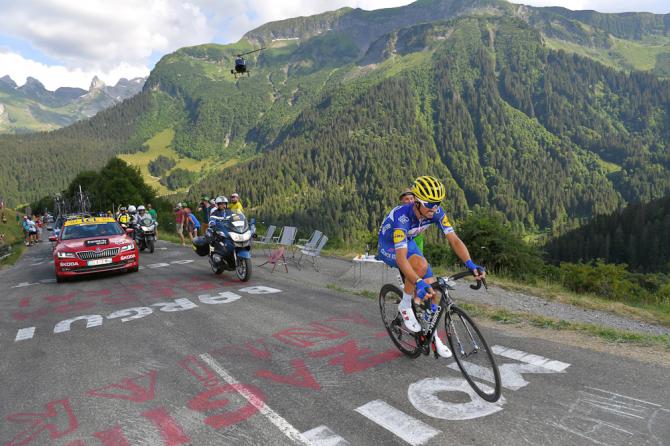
(467, 344)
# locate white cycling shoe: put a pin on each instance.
(442, 350)
(405, 310)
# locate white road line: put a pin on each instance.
(24, 333)
(413, 431)
(323, 436)
(528, 358)
(287, 429)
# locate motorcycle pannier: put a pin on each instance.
(201, 246)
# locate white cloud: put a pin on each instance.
(102, 34)
(54, 76)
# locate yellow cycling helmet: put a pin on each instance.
(428, 189)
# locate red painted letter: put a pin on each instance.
(205, 401)
(351, 357)
(56, 411)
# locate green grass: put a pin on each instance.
(623, 54)
(13, 236)
(608, 167)
(607, 334)
(160, 145)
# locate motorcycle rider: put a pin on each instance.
(142, 214)
(221, 208)
(132, 210)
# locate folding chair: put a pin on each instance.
(314, 253)
(287, 238)
(267, 239)
(276, 256)
(311, 242)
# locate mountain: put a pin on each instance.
(31, 107)
(638, 235)
(343, 109)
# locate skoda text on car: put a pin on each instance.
(91, 245)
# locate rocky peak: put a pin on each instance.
(7, 81)
(96, 84)
(33, 84)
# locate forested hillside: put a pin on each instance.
(546, 137)
(343, 109)
(638, 235)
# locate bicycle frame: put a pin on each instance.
(443, 285)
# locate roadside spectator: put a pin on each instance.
(407, 197)
(179, 222)
(32, 231)
(26, 229)
(38, 226)
(204, 209)
(236, 204)
(193, 224)
(154, 215)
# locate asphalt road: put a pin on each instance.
(173, 355)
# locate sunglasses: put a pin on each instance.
(429, 205)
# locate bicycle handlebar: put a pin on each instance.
(467, 273)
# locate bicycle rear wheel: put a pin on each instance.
(406, 341)
(472, 354)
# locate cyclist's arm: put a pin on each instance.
(462, 251)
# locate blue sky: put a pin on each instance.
(67, 42)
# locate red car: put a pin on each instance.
(92, 245)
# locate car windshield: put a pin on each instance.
(91, 230)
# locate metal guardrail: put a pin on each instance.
(5, 251)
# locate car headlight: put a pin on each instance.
(129, 247)
(240, 237)
(65, 255)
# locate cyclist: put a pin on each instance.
(398, 249)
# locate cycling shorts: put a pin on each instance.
(387, 255)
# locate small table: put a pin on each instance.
(361, 259)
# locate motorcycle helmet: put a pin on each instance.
(201, 246)
(122, 208)
(131, 209)
(141, 208)
(221, 199)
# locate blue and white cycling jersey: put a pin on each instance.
(401, 225)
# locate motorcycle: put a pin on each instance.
(227, 243)
(145, 234)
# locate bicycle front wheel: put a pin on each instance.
(406, 341)
(472, 354)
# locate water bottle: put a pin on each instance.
(429, 312)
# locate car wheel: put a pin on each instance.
(60, 279)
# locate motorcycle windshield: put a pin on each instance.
(233, 223)
(147, 221)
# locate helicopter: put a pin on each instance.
(241, 64)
